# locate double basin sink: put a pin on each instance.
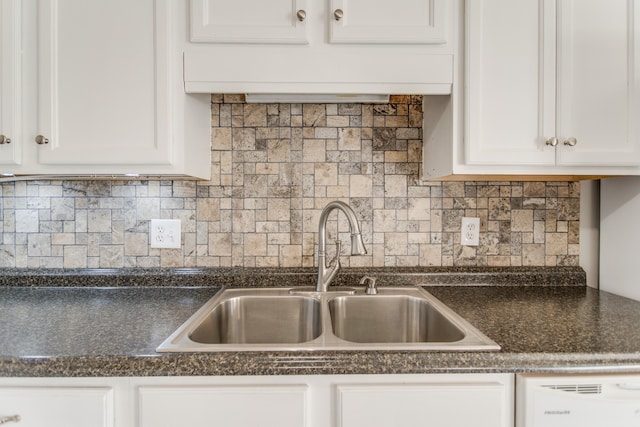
(285, 319)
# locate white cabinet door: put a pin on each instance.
(376, 47)
(598, 82)
(384, 21)
(103, 82)
(553, 83)
(99, 84)
(288, 21)
(10, 100)
(250, 21)
(510, 90)
(451, 404)
(261, 404)
(58, 406)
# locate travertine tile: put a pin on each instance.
(75, 257)
(522, 220)
(221, 139)
(274, 167)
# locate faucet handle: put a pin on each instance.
(336, 258)
(372, 288)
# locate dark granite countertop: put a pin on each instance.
(109, 323)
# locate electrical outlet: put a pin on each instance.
(165, 233)
(470, 232)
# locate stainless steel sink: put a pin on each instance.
(404, 318)
(390, 319)
(260, 319)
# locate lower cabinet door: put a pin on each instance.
(57, 406)
(261, 405)
(426, 404)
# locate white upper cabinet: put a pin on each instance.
(510, 94)
(100, 85)
(551, 87)
(383, 21)
(250, 21)
(320, 46)
(598, 106)
(10, 137)
(351, 21)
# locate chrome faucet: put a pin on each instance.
(327, 273)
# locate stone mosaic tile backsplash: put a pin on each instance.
(274, 167)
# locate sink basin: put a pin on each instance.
(251, 319)
(390, 319)
(275, 319)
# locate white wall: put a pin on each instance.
(589, 230)
(620, 236)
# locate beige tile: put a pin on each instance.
(111, 256)
(395, 244)
(419, 209)
(395, 186)
(556, 244)
(326, 174)
(360, 186)
(314, 150)
(255, 244)
(314, 115)
(244, 139)
(349, 139)
(522, 220)
(208, 209)
(219, 244)
(255, 115)
(290, 256)
(136, 244)
(221, 138)
(279, 210)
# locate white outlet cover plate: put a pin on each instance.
(470, 232)
(164, 233)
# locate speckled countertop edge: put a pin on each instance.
(262, 277)
(307, 363)
(320, 363)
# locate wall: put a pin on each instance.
(274, 167)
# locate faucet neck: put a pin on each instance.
(327, 273)
(353, 226)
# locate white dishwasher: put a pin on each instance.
(578, 400)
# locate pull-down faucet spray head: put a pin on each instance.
(357, 245)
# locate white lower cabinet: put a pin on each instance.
(57, 403)
(432, 400)
(259, 404)
(434, 403)
(328, 400)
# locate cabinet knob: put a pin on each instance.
(41, 140)
(301, 14)
(338, 14)
(13, 418)
(571, 142)
(5, 140)
(552, 142)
